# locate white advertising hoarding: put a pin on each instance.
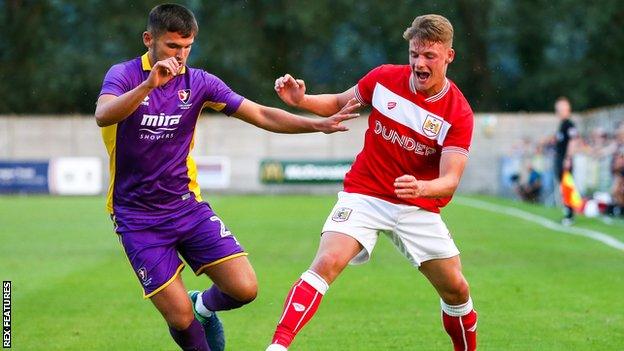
(213, 172)
(75, 176)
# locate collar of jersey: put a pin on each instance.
(147, 66)
(432, 98)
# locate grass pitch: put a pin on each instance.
(534, 288)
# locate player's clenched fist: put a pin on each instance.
(290, 90)
(163, 71)
(407, 186)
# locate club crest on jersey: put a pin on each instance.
(391, 105)
(432, 126)
(341, 214)
(184, 95)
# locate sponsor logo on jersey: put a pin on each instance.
(161, 121)
(432, 126)
(145, 101)
(115, 225)
(410, 114)
(298, 307)
(391, 105)
(159, 126)
(341, 214)
(403, 141)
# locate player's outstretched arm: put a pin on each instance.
(280, 121)
(452, 166)
(113, 109)
(292, 92)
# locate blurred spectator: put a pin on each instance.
(598, 158)
(617, 190)
(599, 144)
(601, 150)
(528, 186)
(619, 138)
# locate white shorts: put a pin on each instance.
(420, 235)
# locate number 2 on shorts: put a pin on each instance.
(224, 231)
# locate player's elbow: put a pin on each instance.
(451, 186)
(100, 123)
(101, 120)
(454, 185)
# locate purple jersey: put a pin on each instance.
(152, 173)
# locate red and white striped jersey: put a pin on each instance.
(407, 133)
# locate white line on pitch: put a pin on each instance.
(543, 221)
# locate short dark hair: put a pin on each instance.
(171, 18)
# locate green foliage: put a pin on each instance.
(534, 289)
(511, 55)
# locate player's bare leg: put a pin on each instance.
(334, 253)
(175, 307)
(234, 285)
(458, 316)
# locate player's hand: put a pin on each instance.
(163, 71)
(407, 187)
(290, 90)
(333, 124)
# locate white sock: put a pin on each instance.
(457, 310)
(200, 308)
(316, 281)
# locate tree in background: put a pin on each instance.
(512, 55)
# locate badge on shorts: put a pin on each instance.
(142, 273)
(341, 214)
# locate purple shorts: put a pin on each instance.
(199, 236)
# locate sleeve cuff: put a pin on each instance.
(359, 98)
(233, 105)
(455, 149)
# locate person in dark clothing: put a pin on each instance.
(566, 133)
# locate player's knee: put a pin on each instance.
(328, 266)
(246, 292)
(180, 320)
(457, 293)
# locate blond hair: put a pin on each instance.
(431, 28)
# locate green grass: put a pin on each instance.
(534, 289)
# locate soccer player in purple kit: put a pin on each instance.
(148, 108)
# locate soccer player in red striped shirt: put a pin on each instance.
(415, 151)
